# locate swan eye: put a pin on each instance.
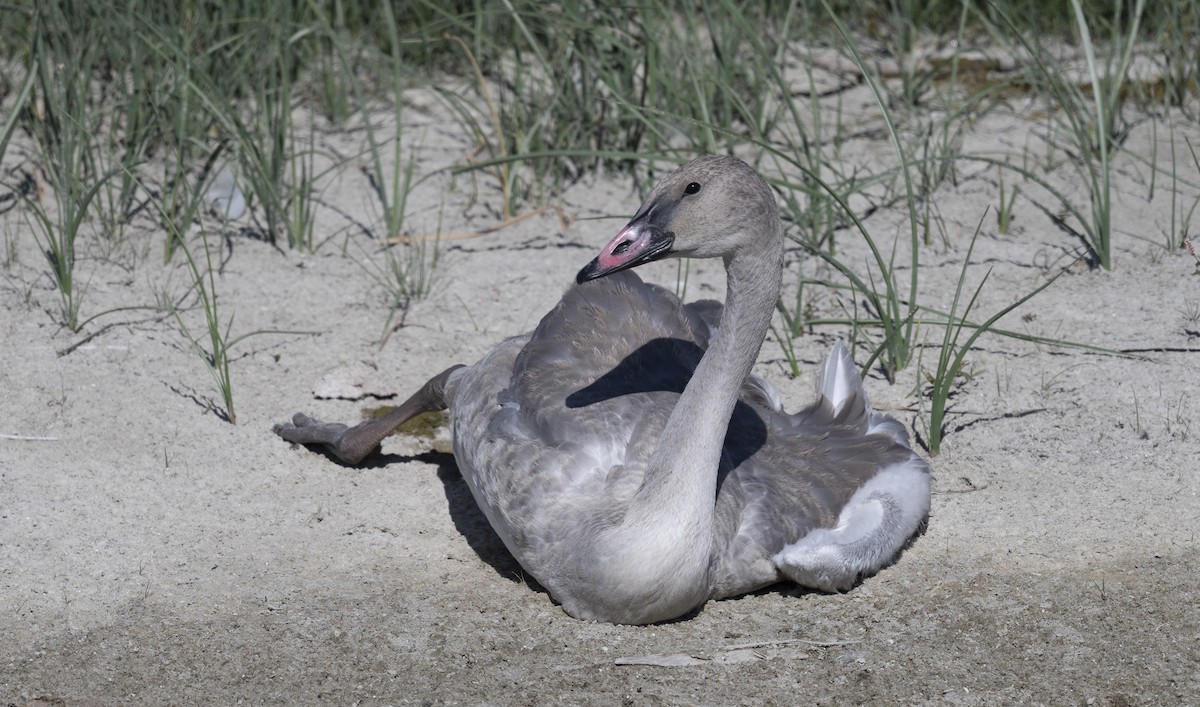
(692, 188)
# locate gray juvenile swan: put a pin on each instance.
(624, 453)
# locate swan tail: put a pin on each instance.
(838, 381)
(872, 528)
(840, 384)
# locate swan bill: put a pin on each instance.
(636, 244)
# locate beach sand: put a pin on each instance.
(152, 552)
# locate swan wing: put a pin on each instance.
(552, 429)
(786, 476)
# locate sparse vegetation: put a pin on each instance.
(134, 109)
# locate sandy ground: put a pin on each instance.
(151, 552)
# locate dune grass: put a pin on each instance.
(135, 107)
(1089, 118)
(65, 131)
(215, 342)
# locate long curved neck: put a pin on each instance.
(677, 498)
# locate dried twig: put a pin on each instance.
(737, 653)
(789, 642)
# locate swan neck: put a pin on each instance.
(665, 539)
(680, 485)
(701, 417)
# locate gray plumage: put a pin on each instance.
(627, 458)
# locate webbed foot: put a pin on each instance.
(353, 444)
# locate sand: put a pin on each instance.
(152, 552)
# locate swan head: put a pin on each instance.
(711, 207)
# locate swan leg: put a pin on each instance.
(353, 444)
(876, 523)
